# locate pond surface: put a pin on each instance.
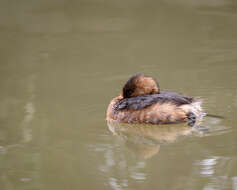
(62, 61)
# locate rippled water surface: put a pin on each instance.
(62, 61)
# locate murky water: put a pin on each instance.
(62, 61)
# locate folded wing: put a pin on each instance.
(140, 102)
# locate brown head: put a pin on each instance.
(140, 85)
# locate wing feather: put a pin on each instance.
(140, 102)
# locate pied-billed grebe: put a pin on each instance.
(142, 102)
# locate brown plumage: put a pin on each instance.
(143, 102)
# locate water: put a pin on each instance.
(63, 61)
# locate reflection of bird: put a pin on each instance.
(145, 140)
(143, 102)
(143, 151)
(149, 134)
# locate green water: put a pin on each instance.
(62, 61)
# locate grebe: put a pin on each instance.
(142, 101)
